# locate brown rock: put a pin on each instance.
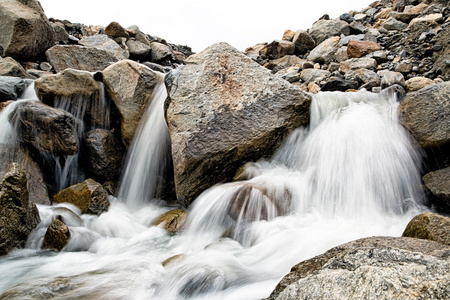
(277, 49)
(115, 30)
(438, 183)
(288, 35)
(361, 48)
(384, 13)
(250, 203)
(18, 216)
(429, 226)
(303, 41)
(172, 221)
(89, 196)
(10, 67)
(57, 236)
(417, 83)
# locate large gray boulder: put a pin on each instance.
(44, 128)
(388, 267)
(224, 109)
(25, 32)
(426, 114)
(325, 51)
(76, 91)
(324, 29)
(18, 216)
(103, 42)
(130, 86)
(79, 57)
(10, 88)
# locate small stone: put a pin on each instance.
(417, 83)
(403, 67)
(57, 236)
(391, 78)
(288, 35)
(172, 221)
(313, 88)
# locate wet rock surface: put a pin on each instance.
(57, 236)
(429, 226)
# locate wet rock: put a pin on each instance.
(277, 49)
(103, 42)
(57, 236)
(438, 184)
(211, 113)
(44, 128)
(172, 221)
(250, 203)
(111, 187)
(390, 78)
(357, 49)
(25, 32)
(138, 50)
(430, 226)
(18, 216)
(160, 53)
(325, 51)
(103, 154)
(358, 63)
(10, 67)
(130, 86)
(393, 24)
(303, 42)
(389, 267)
(417, 83)
(10, 88)
(426, 114)
(79, 57)
(89, 196)
(309, 75)
(115, 30)
(324, 29)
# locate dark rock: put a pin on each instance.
(111, 187)
(438, 184)
(10, 88)
(211, 112)
(284, 62)
(303, 42)
(338, 84)
(393, 24)
(103, 154)
(44, 128)
(130, 85)
(347, 18)
(160, 53)
(138, 50)
(79, 57)
(57, 236)
(89, 196)
(403, 67)
(172, 221)
(430, 226)
(18, 216)
(25, 32)
(277, 49)
(380, 260)
(115, 30)
(10, 67)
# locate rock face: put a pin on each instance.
(104, 155)
(79, 57)
(10, 88)
(89, 196)
(25, 32)
(429, 226)
(388, 267)
(75, 91)
(426, 114)
(44, 128)
(57, 236)
(212, 107)
(438, 183)
(172, 221)
(18, 216)
(130, 86)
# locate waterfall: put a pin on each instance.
(353, 173)
(149, 154)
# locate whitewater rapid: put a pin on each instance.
(353, 173)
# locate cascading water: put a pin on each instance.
(148, 158)
(352, 174)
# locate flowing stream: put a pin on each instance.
(353, 173)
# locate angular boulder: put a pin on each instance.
(44, 128)
(89, 196)
(103, 42)
(10, 88)
(10, 67)
(224, 109)
(18, 216)
(79, 57)
(438, 184)
(426, 114)
(324, 29)
(284, 62)
(429, 226)
(357, 49)
(57, 236)
(172, 221)
(358, 63)
(74, 90)
(25, 32)
(138, 50)
(130, 85)
(303, 42)
(388, 267)
(160, 52)
(325, 51)
(277, 49)
(115, 30)
(103, 154)
(309, 75)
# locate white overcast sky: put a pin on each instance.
(201, 23)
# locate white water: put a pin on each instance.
(148, 158)
(353, 174)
